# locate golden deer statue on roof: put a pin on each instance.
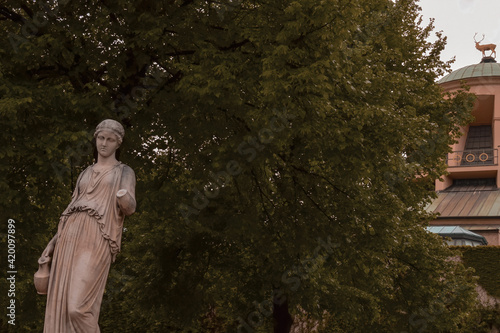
(485, 47)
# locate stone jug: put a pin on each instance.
(41, 277)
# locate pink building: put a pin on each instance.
(469, 196)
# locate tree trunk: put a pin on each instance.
(282, 318)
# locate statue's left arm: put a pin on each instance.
(126, 194)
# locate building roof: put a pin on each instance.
(456, 232)
(477, 70)
(467, 202)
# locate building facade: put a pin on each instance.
(469, 196)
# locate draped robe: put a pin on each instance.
(89, 238)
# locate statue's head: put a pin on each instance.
(112, 126)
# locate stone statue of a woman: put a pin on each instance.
(88, 237)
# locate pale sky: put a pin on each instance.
(460, 20)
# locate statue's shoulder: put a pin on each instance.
(126, 169)
(85, 170)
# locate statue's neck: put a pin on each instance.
(106, 161)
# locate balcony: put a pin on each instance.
(473, 158)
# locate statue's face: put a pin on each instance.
(106, 143)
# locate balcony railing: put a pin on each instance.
(473, 157)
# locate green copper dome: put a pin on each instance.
(478, 70)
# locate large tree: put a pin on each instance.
(285, 152)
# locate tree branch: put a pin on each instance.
(234, 45)
(320, 176)
(262, 195)
(315, 203)
(10, 15)
(27, 10)
(186, 3)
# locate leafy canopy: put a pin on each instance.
(285, 151)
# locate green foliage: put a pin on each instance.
(484, 260)
(275, 144)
